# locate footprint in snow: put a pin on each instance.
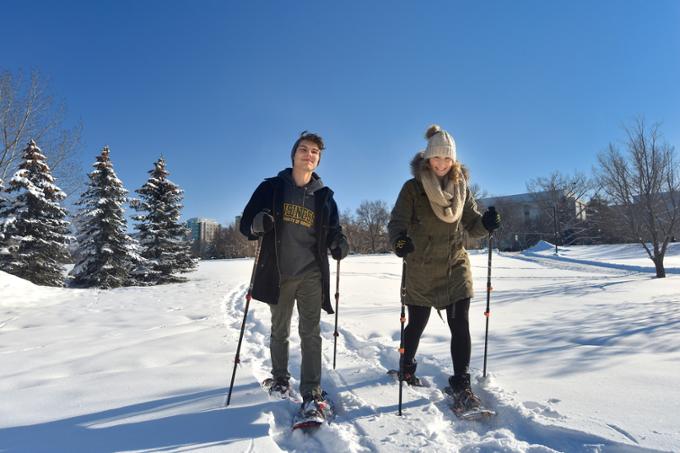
(542, 409)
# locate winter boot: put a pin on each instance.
(409, 374)
(461, 391)
(280, 385)
(316, 407)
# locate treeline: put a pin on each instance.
(365, 228)
(35, 230)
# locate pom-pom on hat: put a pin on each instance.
(439, 143)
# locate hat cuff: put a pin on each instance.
(440, 151)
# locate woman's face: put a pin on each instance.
(441, 165)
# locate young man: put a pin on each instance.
(297, 218)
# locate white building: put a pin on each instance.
(202, 229)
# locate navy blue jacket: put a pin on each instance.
(269, 196)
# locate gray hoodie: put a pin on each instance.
(296, 236)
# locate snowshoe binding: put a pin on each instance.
(409, 375)
(466, 405)
(314, 412)
(280, 387)
(411, 379)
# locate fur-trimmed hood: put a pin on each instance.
(418, 163)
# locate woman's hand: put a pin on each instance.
(403, 246)
(491, 219)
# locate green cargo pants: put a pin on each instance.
(306, 289)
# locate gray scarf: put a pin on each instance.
(447, 203)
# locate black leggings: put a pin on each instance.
(459, 325)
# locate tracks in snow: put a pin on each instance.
(568, 264)
(366, 399)
(339, 436)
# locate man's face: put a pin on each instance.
(307, 156)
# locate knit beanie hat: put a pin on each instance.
(439, 143)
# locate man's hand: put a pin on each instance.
(263, 223)
(339, 247)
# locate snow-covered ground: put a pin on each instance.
(622, 256)
(583, 357)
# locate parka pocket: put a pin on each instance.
(427, 251)
(423, 248)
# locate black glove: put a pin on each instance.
(263, 222)
(339, 247)
(491, 219)
(403, 246)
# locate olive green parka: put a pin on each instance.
(438, 271)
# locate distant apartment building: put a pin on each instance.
(529, 217)
(533, 205)
(202, 230)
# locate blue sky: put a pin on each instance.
(222, 89)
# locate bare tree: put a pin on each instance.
(28, 112)
(372, 218)
(644, 186)
(350, 229)
(477, 192)
(560, 198)
(2, 219)
(603, 223)
(230, 243)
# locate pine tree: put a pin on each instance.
(35, 227)
(105, 254)
(3, 202)
(162, 237)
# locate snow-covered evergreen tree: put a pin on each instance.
(36, 229)
(3, 246)
(163, 239)
(105, 254)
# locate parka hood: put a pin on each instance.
(314, 184)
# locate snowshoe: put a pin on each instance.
(466, 405)
(280, 388)
(313, 413)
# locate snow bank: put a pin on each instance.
(17, 292)
(541, 246)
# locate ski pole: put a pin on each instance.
(249, 296)
(402, 320)
(487, 313)
(337, 299)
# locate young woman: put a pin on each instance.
(426, 228)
